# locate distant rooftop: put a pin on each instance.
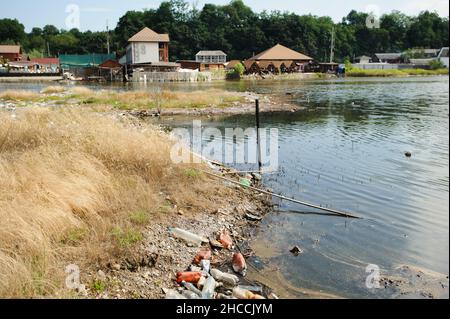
(10, 49)
(148, 35)
(280, 52)
(388, 56)
(211, 53)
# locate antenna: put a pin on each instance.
(333, 43)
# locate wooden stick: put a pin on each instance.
(333, 211)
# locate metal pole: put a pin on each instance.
(258, 136)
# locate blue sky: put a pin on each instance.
(94, 14)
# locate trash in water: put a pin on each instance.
(188, 236)
(189, 276)
(239, 264)
(230, 279)
(296, 251)
(253, 217)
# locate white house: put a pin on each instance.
(211, 57)
(443, 57)
(147, 47)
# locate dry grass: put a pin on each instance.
(53, 90)
(131, 99)
(79, 188)
(17, 95)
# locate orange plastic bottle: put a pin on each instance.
(225, 239)
(189, 276)
(204, 254)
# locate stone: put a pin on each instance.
(296, 251)
(116, 267)
(101, 275)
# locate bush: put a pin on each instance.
(436, 64)
(236, 73)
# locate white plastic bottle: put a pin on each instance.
(188, 236)
(209, 288)
(229, 279)
(173, 294)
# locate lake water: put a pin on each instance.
(346, 151)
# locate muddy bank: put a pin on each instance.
(268, 104)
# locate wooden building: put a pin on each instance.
(201, 66)
(278, 59)
(11, 52)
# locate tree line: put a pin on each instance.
(240, 32)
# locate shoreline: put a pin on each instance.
(164, 255)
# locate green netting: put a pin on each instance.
(86, 60)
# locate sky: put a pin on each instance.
(96, 14)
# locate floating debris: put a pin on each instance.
(296, 251)
(253, 218)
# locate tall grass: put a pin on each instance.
(71, 185)
(129, 100)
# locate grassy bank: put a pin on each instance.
(391, 73)
(126, 100)
(79, 188)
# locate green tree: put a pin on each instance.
(11, 31)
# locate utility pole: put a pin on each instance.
(48, 49)
(107, 37)
(333, 43)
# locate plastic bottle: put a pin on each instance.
(245, 294)
(225, 239)
(229, 279)
(204, 254)
(192, 288)
(173, 294)
(189, 276)
(239, 264)
(190, 294)
(188, 236)
(206, 265)
(209, 288)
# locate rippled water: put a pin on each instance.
(346, 151)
